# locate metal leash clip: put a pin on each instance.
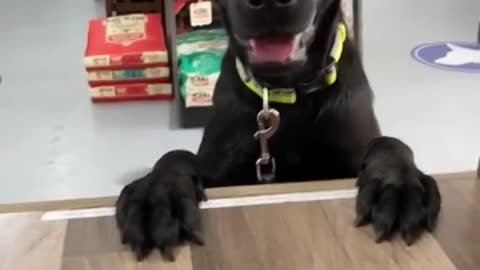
(268, 122)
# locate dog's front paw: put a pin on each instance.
(394, 195)
(160, 211)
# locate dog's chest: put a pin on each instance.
(305, 146)
(301, 151)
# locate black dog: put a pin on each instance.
(327, 130)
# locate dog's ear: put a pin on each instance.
(330, 7)
(224, 14)
(223, 8)
(328, 15)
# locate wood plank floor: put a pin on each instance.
(305, 235)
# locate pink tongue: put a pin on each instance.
(272, 49)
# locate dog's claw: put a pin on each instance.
(361, 220)
(197, 238)
(380, 236)
(141, 252)
(168, 253)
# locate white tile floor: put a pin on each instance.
(54, 144)
(436, 112)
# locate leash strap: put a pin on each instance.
(268, 120)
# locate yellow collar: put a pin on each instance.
(289, 95)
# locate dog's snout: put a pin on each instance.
(253, 18)
(257, 4)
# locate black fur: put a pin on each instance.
(331, 133)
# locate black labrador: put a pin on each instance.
(327, 131)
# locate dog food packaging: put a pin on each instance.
(126, 58)
(122, 76)
(128, 41)
(133, 91)
(200, 55)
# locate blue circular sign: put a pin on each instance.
(453, 56)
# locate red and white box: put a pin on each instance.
(122, 76)
(126, 54)
(128, 41)
(125, 92)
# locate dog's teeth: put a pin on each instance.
(296, 47)
(296, 42)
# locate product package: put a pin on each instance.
(128, 41)
(200, 55)
(122, 76)
(126, 54)
(137, 91)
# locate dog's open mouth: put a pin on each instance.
(274, 49)
(278, 49)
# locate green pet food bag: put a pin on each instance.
(200, 58)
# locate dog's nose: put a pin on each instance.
(257, 4)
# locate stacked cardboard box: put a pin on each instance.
(126, 58)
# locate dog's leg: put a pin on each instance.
(160, 210)
(394, 195)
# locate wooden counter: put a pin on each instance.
(302, 235)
